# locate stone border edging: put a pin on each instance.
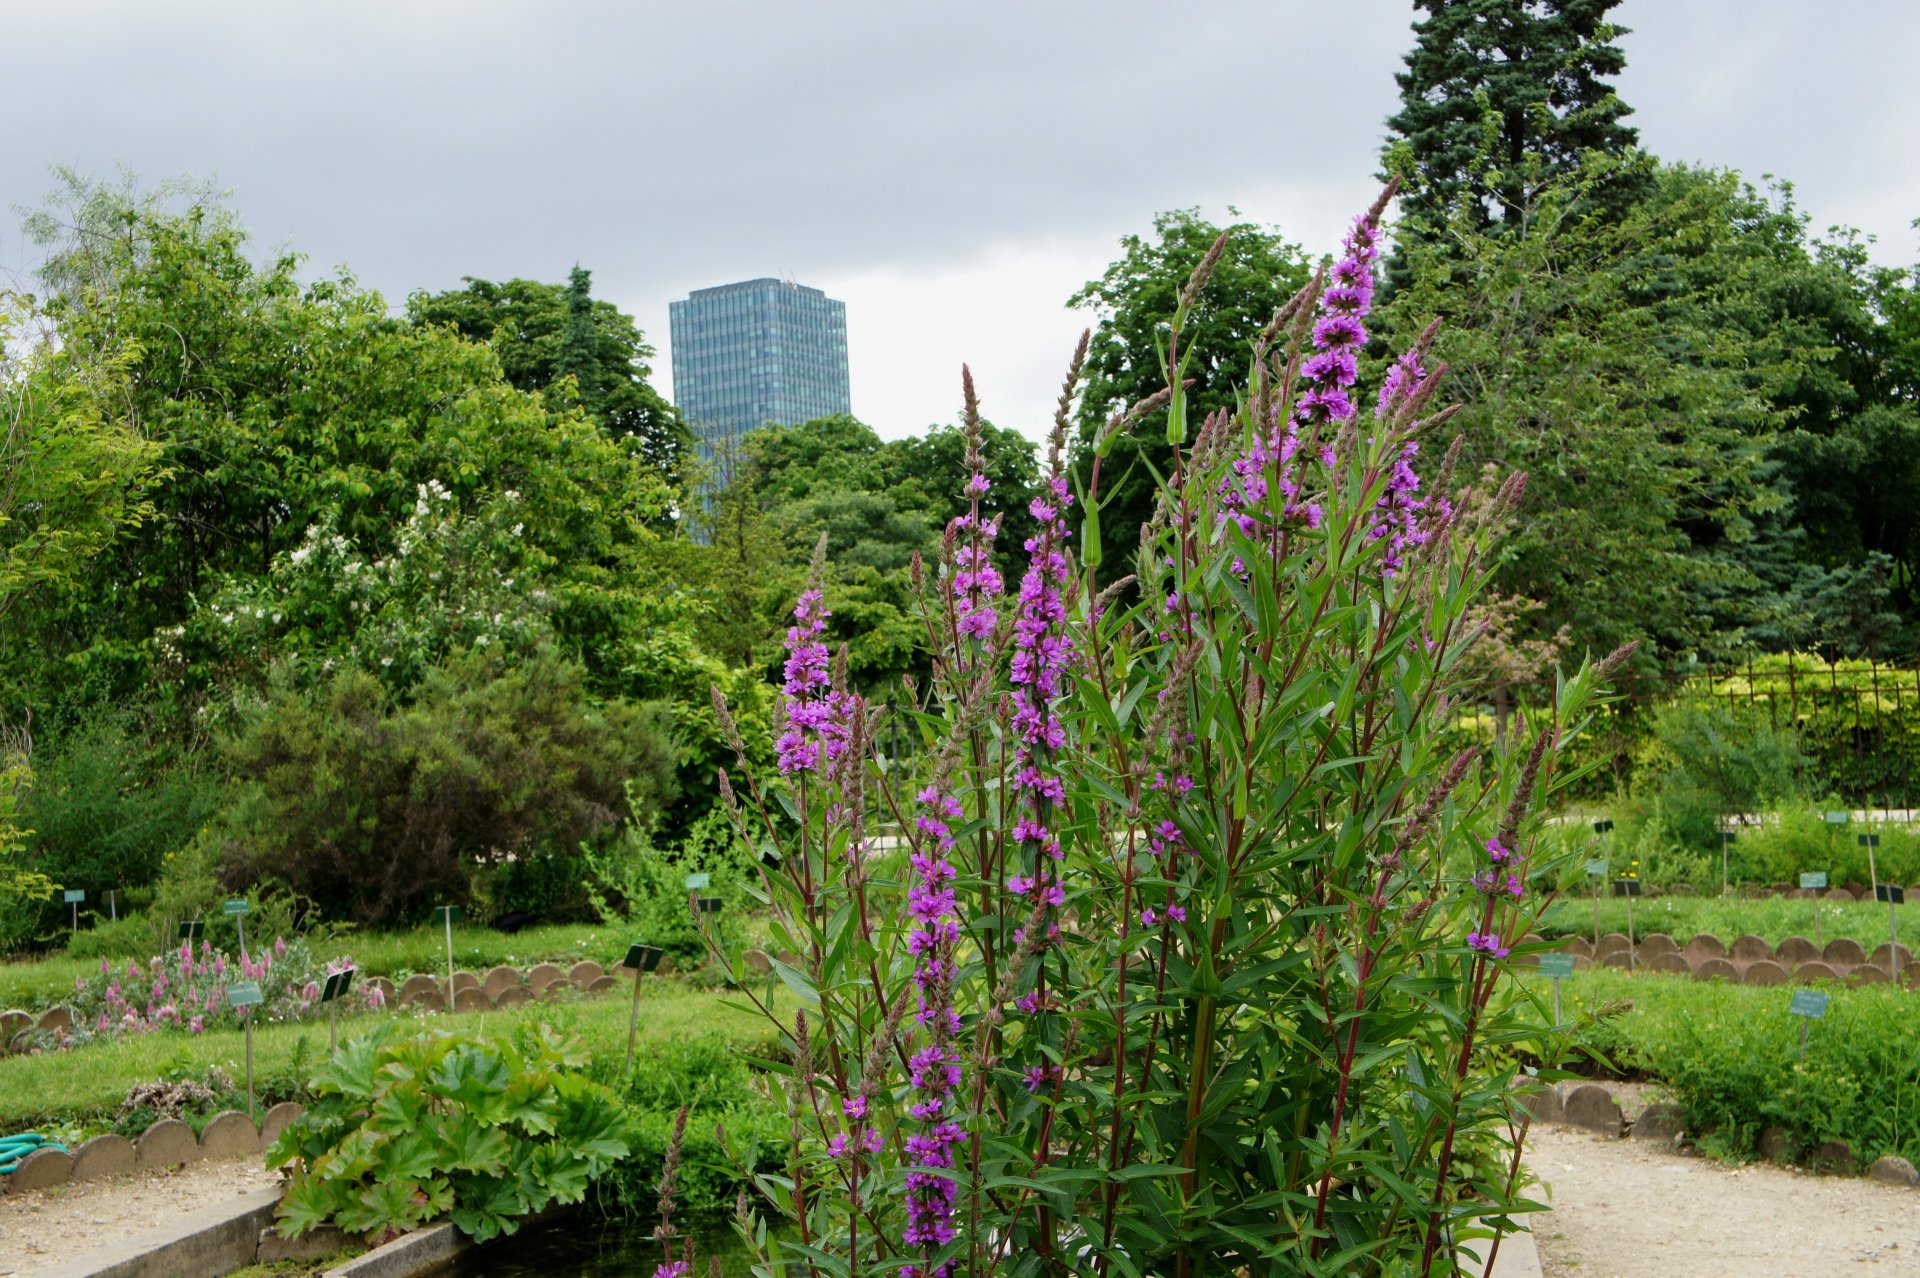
(1519, 1255)
(1592, 1106)
(422, 1251)
(1748, 961)
(167, 1143)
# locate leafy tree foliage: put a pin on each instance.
(546, 333)
(276, 407)
(1630, 366)
(877, 503)
(1134, 302)
(1851, 455)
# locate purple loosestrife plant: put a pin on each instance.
(1182, 947)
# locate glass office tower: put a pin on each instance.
(756, 352)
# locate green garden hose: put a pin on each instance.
(14, 1149)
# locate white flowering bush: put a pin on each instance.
(454, 581)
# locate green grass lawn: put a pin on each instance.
(1772, 919)
(86, 1085)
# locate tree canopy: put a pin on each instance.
(546, 333)
(1133, 302)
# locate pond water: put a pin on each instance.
(582, 1247)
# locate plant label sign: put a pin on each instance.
(446, 914)
(1557, 966)
(1834, 818)
(642, 957)
(1602, 826)
(1891, 893)
(1867, 840)
(234, 905)
(73, 896)
(1728, 836)
(338, 983)
(190, 930)
(697, 881)
(1811, 1004)
(1597, 869)
(244, 994)
(1626, 887)
(709, 905)
(1811, 881)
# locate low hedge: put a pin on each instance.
(1731, 1057)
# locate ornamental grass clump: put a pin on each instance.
(1179, 946)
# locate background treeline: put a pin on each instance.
(389, 606)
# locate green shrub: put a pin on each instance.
(106, 808)
(642, 889)
(1731, 1056)
(378, 810)
(404, 1130)
(1704, 763)
(129, 936)
(736, 1122)
(1798, 839)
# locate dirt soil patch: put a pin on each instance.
(41, 1230)
(1634, 1209)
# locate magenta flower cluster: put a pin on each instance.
(1041, 656)
(977, 585)
(187, 989)
(814, 720)
(1500, 877)
(1327, 376)
(934, 1068)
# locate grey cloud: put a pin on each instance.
(669, 146)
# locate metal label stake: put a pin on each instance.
(1597, 871)
(1555, 967)
(1893, 895)
(1808, 1005)
(448, 913)
(241, 997)
(338, 983)
(1815, 883)
(237, 907)
(641, 959)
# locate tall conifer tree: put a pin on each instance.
(1500, 97)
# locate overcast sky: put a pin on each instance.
(951, 171)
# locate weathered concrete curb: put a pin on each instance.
(415, 1253)
(1518, 1258)
(202, 1244)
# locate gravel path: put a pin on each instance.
(1632, 1209)
(41, 1230)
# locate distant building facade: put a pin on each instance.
(756, 352)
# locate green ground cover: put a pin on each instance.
(82, 1089)
(1731, 1057)
(1771, 918)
